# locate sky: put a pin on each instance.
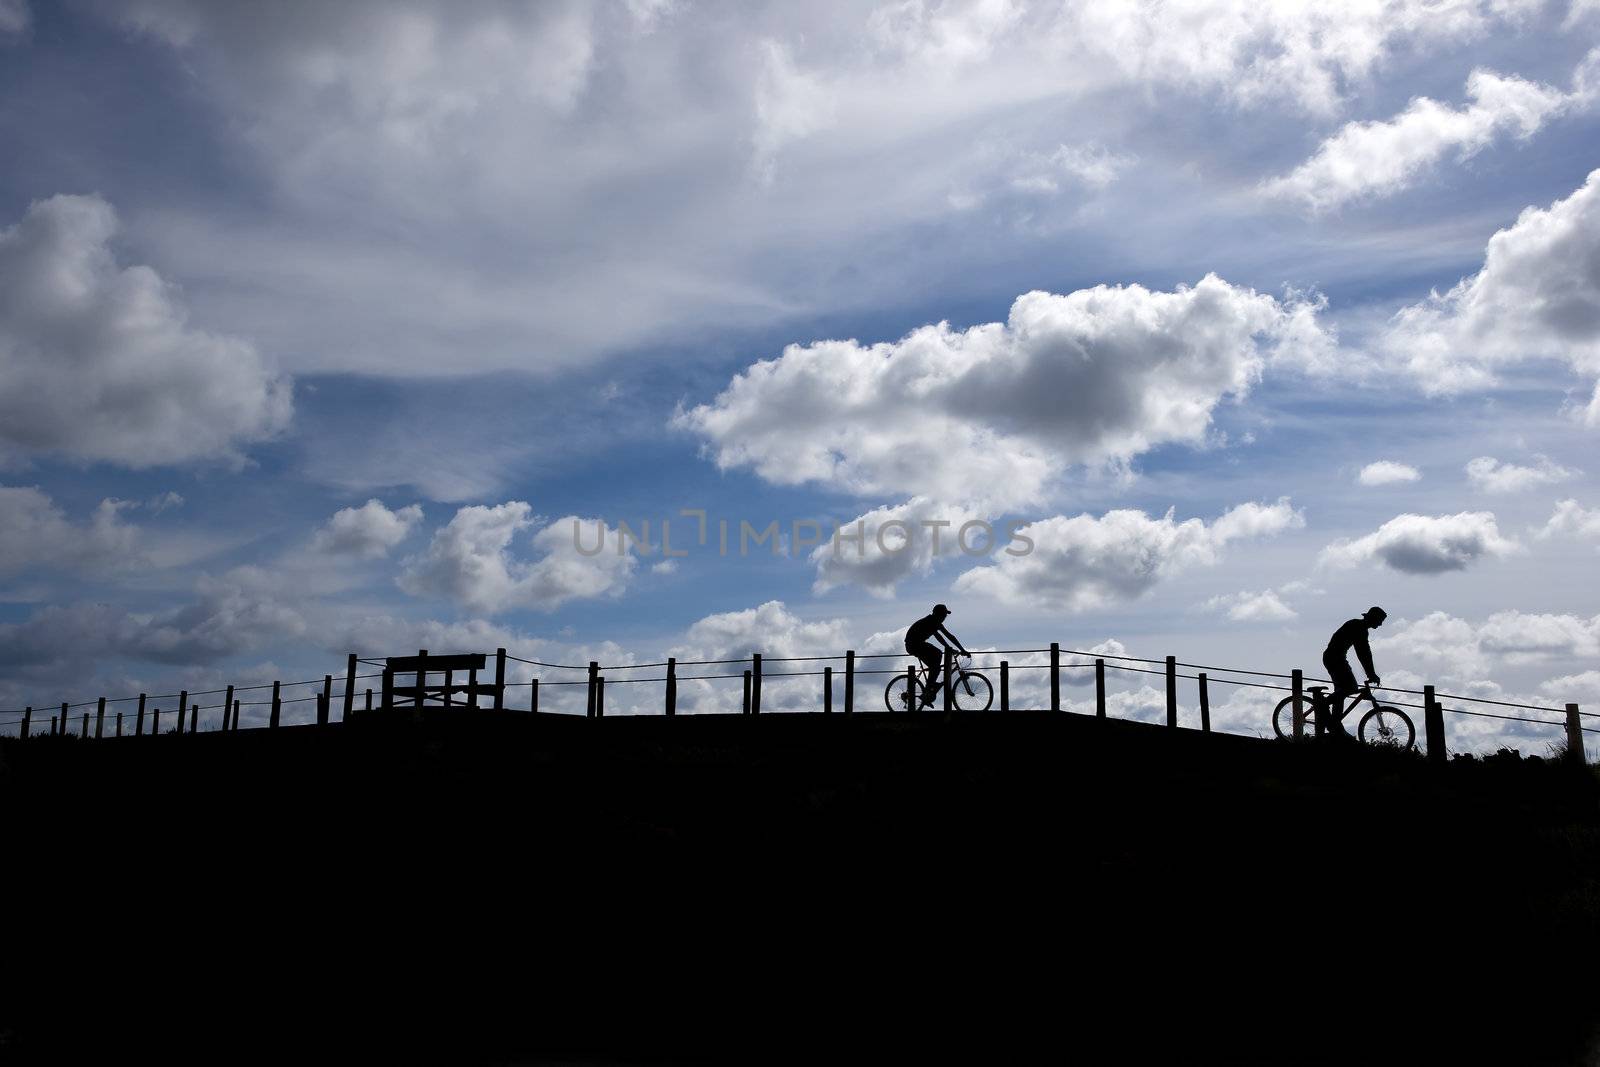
(1205, 325)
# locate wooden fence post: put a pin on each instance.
(233, 724)
(1205, 706)
(277, 707)
(672, 686)
(100, 719)
(323, 713)
(911, 689)
(472, 690)
(1433, 725)
(755, 683)
(1005, 686)
(183, 708)
(155, 723)
(744, 709)
(449, 696)
(119, 724)
(600, 697)
(388, 689)
(1574, 735)
(84, 729)
(194, 717)
(849, 681)
(138, 722)
(594, 672)
(1055, 676)
(827, 690)
(350, 686)
(1099, 688)
(1321, 712)
(422, 676)
(369, 701)
(499, 679)
(1297, 694)
(52, 726)
(27, 721)
(949, 678)
(65, 728)
(1172, 691)
(533, 696)
(227, 709)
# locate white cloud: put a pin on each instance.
(1537, 296)
(1270, 53)
(1388, 472)
(1082, 563)
(887, 552)
(1424, 544)
(469, 562)
(1573, 688)
(991, 414)
(1489, 475)
(368, 532)
(1571, 519)
(15, 18)
(97, 361)
(774, 631)
(1370, 159)
(1264, 606)
(36, 534)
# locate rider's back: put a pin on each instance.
(1347, 637)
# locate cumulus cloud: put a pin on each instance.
(1097, 376)
(1082, 563)
(1571, 519)
(879, 549)
(1444, 648)
(1371, 159)
(1424, 544)
(368, 532)
(15, 18)
(98, 362)
(773, 630)
(242, 611)
(36, 534)
(1388, 472)
(469, 561)
(1537, 296)
(1264, 606)
(1489, 475)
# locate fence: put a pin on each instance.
(753, 673)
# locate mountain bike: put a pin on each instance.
(1382, 725)
(972, 690)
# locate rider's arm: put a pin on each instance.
(1364, 654)
(957, 641)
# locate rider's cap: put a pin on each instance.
(940, 609)
(1375, 614)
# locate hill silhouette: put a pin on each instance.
(481, 887)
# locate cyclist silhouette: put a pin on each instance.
(1352, 634)
(919, 645)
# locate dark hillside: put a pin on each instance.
(463, 886)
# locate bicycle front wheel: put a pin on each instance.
(1283, 718)
(1387, 727)
(972, 692)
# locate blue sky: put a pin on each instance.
(1253, 315)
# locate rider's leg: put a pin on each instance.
(932, 659)
(1344, 686)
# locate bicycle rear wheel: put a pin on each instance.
(894, 694)
(1283, 718)
(1387, 727)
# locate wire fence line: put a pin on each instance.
(596, 677)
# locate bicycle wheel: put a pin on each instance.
(894, 694)
(1283, 718)
(973, 692)
(1387, 727)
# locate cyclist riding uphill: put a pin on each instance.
(1352, 634)
(919, 645)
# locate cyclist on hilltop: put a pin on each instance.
(1352, 634)
(919, 645)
